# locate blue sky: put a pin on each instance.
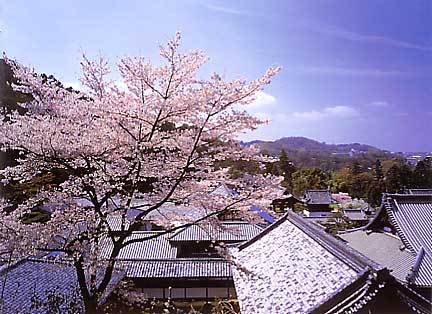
(353, 71)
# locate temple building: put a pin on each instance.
(184, 264)
(294, 266)
(318, 201)
(399, 238)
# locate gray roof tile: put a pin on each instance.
(178, 268)
(287, 271)
(411, 215)
(35, 277)
(155, 248)
(318, 197)
(226, 231)
(383, 248)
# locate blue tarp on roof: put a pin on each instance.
(264, 215)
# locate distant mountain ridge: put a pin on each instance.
(298, 142)
(303, 151)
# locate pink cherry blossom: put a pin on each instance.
(155, 142)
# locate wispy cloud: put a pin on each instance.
(347, 71)
(222, 9)
(353, 36)
(378, 103)
(328, 112)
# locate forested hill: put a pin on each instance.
(305, 152)
(297, 143)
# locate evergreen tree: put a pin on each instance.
(286, 169)
(356, 168)
(394, 183)
(360, 184)
(423, 174)
(309, 178)
(375, 191)
(378, 171)
(406, 176)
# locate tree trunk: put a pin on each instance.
(91, 306)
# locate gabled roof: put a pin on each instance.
(318, 197)
(295, 267)
(233, 231)
(224, 190)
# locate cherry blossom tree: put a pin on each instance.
(157, 141)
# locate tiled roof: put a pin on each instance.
(37, 277)
(168, 212)
(158, 247)
(263, 214)
(235, 231)
(355, 215)
(30, 277)
(419, 191)
(411, 215)
(383, 248)
(172, 212)
(156, 256)
(294, 267)
(224, 190)
(178, 268)
(116, 223)
(318, 197)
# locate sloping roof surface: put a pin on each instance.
(166, 213)
(318, 197)
(178, 268)
(262, 213)
(224, 190)
(355, 215)
(158, 247)
(172, 212)
(31, 277)
(411, 215)
(383, 248)
(155, 256)
(116, 223)
(419, 191)
(228, 232)
(285, 270)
